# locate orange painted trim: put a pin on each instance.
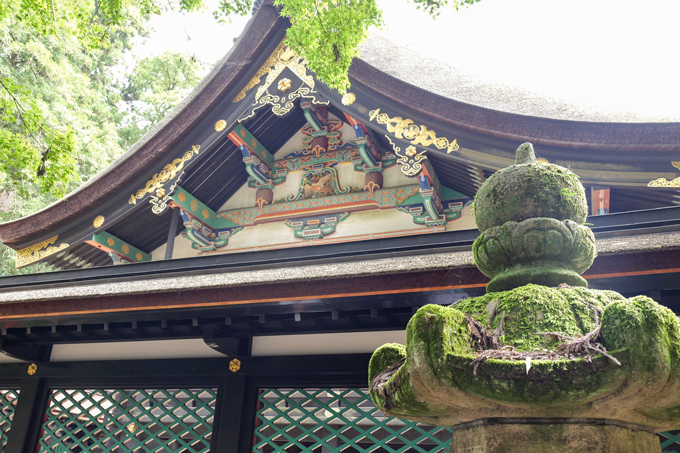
(630, 274)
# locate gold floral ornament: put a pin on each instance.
(35, 252)
(417, 135)
(283, 57)
(281, 103)
(410, 160)
(206, 214)
(110, 241)
(220, 125)
(168, 173)
(349, 98)
(284, 85)
(235, 365)
(126, 249)
(182, 197)
(194, 205)
(98, 221)
(32, 369)
(139, 256)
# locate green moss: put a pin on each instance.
(533, 308)
(524, 191)
(383, 357)
(648, 330)
(571, 382)
(397, 395)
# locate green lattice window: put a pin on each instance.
(337, 420)
(129, 421)
(8, 404)
(670, 441)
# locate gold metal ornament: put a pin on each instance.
(676, 164)
(220, 125)
(235, 365)
(32, 369)
(284, 85)
(283, 57)
(349, 98)
(98, 221)
(160, 193)
(35, 253)
(663, 182)
(417, 135)
(410, 160)
(168, 173)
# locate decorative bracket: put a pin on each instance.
(123, 251)
(316, 227)
(259, 162)
(206, 232)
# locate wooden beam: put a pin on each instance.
(109, 243)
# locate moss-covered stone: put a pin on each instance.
(527, 190)
(540, 250)
(436, 382)
(534, 308)
(532, 240)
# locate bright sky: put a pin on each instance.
(613, 54)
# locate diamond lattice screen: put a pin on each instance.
(129, 421)
(8, 404)
(337, 420)
(670, 441)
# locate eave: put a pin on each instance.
(632, 154)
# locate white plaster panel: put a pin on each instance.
(325, 343)
(243, 198)
(394, 177)
(133, 350)
(465, 222)
(347, 176)
(290, 186)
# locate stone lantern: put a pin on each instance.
(540, 363)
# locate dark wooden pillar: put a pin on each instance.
(228, 408)
(170, 246)
(28, 417)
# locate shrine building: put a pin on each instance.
(221, 286)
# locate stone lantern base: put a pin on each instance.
(507, 437)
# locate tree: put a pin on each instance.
(155, 85)
(62, 113)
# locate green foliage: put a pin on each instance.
(434, 7)
(155, 85)
(228, 8)
(62, 113)
(328, 34)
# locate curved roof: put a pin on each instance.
(379, 82)
(438, 77)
